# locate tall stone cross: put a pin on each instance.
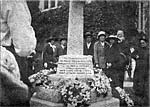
(75, 28)
(75, 64)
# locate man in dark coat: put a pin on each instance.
(48, 55)
(88, 45)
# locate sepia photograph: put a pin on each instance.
(74, 53)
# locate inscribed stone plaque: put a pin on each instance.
(75, 66)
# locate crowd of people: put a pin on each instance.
(115, 55)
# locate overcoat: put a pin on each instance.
(116, 71)
(48, 54)
(99, 54)
(141, 71)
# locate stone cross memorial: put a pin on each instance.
(75, 64)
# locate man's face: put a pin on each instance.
(143, 43)
(112, 41)
(64, 42)
(88, 39)
(121, 37)
(102, 38)
(52, 42)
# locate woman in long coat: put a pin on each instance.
(112, 59)
(141, 75)
(115, 63)
(99, 50)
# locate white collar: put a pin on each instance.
(53, 46)
(102, 43)
(63, 46)
(88, 44)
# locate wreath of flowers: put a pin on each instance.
(41, 78)
(76, 93)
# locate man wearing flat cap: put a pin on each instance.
(99, 50)
(88, 45)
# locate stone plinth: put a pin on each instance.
(35, 102)
(72, 66)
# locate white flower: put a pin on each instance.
(70, 92)
(32, 80)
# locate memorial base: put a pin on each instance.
(35, 102)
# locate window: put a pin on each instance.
(45, 5)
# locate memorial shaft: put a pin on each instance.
(75, 28)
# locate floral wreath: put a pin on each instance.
(76, 93)
(41, 78)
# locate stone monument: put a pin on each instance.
(75, 64)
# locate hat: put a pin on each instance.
(144, 39)
(101, 33)
(113, 37)
(87, 34)
(63, 39)
(120, 32)
(50, 39)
